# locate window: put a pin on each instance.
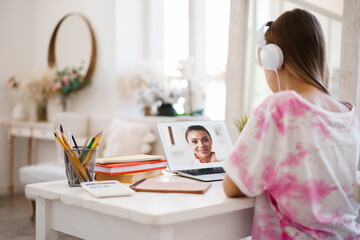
(266, 10)
(198, 31)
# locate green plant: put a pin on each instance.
(240, 123)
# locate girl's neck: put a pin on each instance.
(311, 93)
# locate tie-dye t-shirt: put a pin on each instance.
(299, 162)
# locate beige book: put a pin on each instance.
(129, 177)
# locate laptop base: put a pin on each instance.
(204, 178)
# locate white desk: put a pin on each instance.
(30, 130)
(143, 215)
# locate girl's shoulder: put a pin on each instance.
(285, 99)
(290, 102)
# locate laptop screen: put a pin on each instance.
(195, 144)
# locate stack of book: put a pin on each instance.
(129, 168)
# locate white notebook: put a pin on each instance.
(109, 188)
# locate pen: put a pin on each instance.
(138, 182)
(73, 138)
(75, 143)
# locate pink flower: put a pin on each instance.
(66, 80)
(74, 75)
(56, 86)
(11, 82)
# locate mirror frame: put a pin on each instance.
(52, 54)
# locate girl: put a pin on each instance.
(298, 153)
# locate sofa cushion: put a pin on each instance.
(43, 172)
(127, 137)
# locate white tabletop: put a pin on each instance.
(147, 208)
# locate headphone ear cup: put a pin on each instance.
(271, 57)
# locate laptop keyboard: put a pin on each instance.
(203, 171)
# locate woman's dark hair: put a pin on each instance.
(196, 128)
(299, 35)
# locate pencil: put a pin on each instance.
(83, 155)
(69, 155)
(89, 154)
(73, 158)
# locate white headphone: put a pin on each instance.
(271, 56)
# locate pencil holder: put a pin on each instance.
(79, 165)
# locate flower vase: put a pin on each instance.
(147, 111)
(63, 101)
(41, 112)
(166, 110)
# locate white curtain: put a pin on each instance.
(235, 78)
(349, 83)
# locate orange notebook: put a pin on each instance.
(146, 185)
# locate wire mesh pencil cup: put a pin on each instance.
(79, 165)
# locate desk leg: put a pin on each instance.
(29, 150)
(11, 163)
(43, 221)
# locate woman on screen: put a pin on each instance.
(200, 142)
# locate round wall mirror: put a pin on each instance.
(73, 44)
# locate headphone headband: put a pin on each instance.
(271, 56)
(261, 34)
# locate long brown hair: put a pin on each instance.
(299, 35)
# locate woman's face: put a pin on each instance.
(200, 142)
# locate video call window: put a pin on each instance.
(196, 143)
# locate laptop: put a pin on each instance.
(196, 149)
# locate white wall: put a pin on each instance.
(25, 30)
(16, 55)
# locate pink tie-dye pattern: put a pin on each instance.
(351, 237)
(269, 173)
(238, 159)
(287, 224)
(294, 159)
(266, 230)
(291, 160)
(293, 191)
(302, 152)
(316, 190)
(310, 192)
(334, 219)
(322, 130)
(291, 106)
(268, 225)
(237, 156)
(262, 127)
